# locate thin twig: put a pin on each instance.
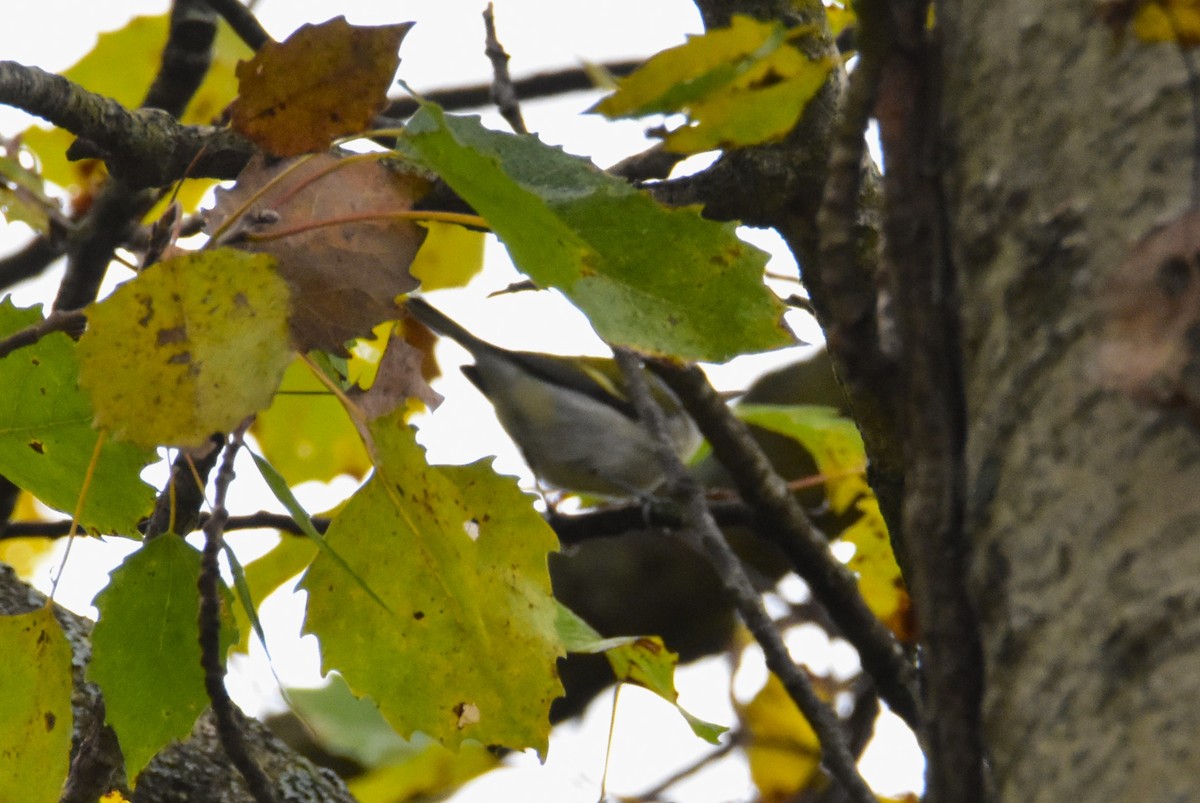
(33, 258)
(503, 93)
(232, 738)
(538, 85)
(835, 753)
(72, 322)
(177, 508)
(732, 740)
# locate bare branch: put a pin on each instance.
(243, 22)
(30, 261)
(208, 585)
(835, 753)
(504, 95)
(781, 516)
(54, 322)
(145, 148)
(538, 85)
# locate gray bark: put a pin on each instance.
(1083, 511)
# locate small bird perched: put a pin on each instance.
(570, 416)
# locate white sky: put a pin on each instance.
(445, 49)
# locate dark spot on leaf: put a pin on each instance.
(37, 446)
(770, 79)
(649, 645)
(334, 117)
(418, 615)
(148, 303)
(35, 361)
(176, 334)
(240, 300)
(51, 720)
(182, 358)
(1174, 275)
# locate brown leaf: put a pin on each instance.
(322, 82)
(399, 378)
(332, 223)
(1151, 344)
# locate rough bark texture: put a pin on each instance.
(1082, 505)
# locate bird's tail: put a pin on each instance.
(439, 322)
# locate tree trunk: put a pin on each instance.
(1068, 146)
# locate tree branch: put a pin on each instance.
(243, 22)
(54, 322)
(208, 585)
(186, 57)
(926, 290)
(177, 508)
(145, 148)
(780, 515)
(538, 85)
(30, 261)
(835, 753)
(504, 94)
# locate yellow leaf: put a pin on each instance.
(25, 554)
(190, 347)
(742, 85)
(832, 439)
(1168, 21)
(306, 433)
(450, 257)
(783, 750)
(879, 579)
(35, 707)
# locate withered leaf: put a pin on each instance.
(400, 377)
(322, 82)
(1151, 343)
(332, 225)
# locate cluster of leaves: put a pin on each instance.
(429, 592)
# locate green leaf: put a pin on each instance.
(832, 439)
(35, 707)
(266, 574)
(306, 433)
(671, 80)
(23, 193)
(122, 66)
(466, 647)
(190, 347)
(837, 448)
(642, 660)
(663, 281)
(742, 85)
(46, 437)
(145, 648)
(401, 769)
(283, 493)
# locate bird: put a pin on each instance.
(570, 416)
